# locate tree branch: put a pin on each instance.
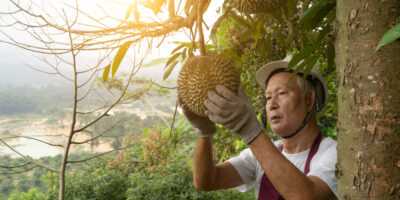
(16, 166)
(112, 106)
(56, 145)
(102, 154)
(20, 172)
(200, 29)
(99, 135)
(28, 159)
(172, 88)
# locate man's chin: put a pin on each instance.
(280, 132)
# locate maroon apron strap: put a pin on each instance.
(267, 190)
(313, 151)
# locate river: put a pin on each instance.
(53, 134)
(29, 147)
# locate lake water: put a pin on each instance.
(29, 147)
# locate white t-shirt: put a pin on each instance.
(322, 165)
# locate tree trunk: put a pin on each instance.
(369, 101)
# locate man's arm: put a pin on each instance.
(206, 175)
(290, 182)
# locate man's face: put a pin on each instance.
(286, 109)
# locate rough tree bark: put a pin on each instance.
(369, 101)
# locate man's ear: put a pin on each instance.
(311, 98)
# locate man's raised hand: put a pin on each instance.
(233, 112)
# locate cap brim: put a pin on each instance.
(265, 71)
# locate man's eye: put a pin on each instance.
(282, 92)
(267, 98)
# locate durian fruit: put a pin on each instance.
(256, 6)
(199, 75)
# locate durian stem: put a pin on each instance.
(171, 8)
(199, 26)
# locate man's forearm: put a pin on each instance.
(290, 182)
(204, 168)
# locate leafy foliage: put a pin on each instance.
(156, 167)
(302, 29)
(32, 194)
(34, 183)
(391, 35)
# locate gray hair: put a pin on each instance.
(304, 85)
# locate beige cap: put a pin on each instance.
(313, 76)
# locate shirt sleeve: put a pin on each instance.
(245, 165)
(324, 167)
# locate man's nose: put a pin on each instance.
(272, 104)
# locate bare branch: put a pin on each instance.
(102, 154)
(172, 88)
(101, 134)
(16, 166)
(173, 119)
(55, 68)
(92, 18)
(89, 79)
(20, 172)
(112, 106)
(57, 135)
(199, 23)
(92, 111)
(28, 159)
(42, 141)
(39, 70)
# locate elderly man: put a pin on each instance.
(299, 166)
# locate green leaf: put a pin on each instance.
(330, 56)
(296, 71)
(300, 67)
(241, 21)
(206, 5)
(155, 62)
(177, 48)
(172, 59)
(145, 132)
(300, 56)
(184, 54)
(129, 11)
(258, 31)
(310, 65)
(216, 25)
(325, 30)
(169, 70)
(313, 15)
(310, 12)
(106, 72)
(210, 47)
(190, 44)
(190, 51)
(390, 36)
(119, 56)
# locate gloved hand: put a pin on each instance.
(203, 125)
(233, 112)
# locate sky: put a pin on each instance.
(13, 59)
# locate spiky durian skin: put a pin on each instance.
(257, 6)
(201, 74)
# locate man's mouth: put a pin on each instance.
(275, 118)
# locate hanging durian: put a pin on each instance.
(256, 6)
(201, 74)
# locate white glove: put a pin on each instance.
(203, 126)
(233, 112)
